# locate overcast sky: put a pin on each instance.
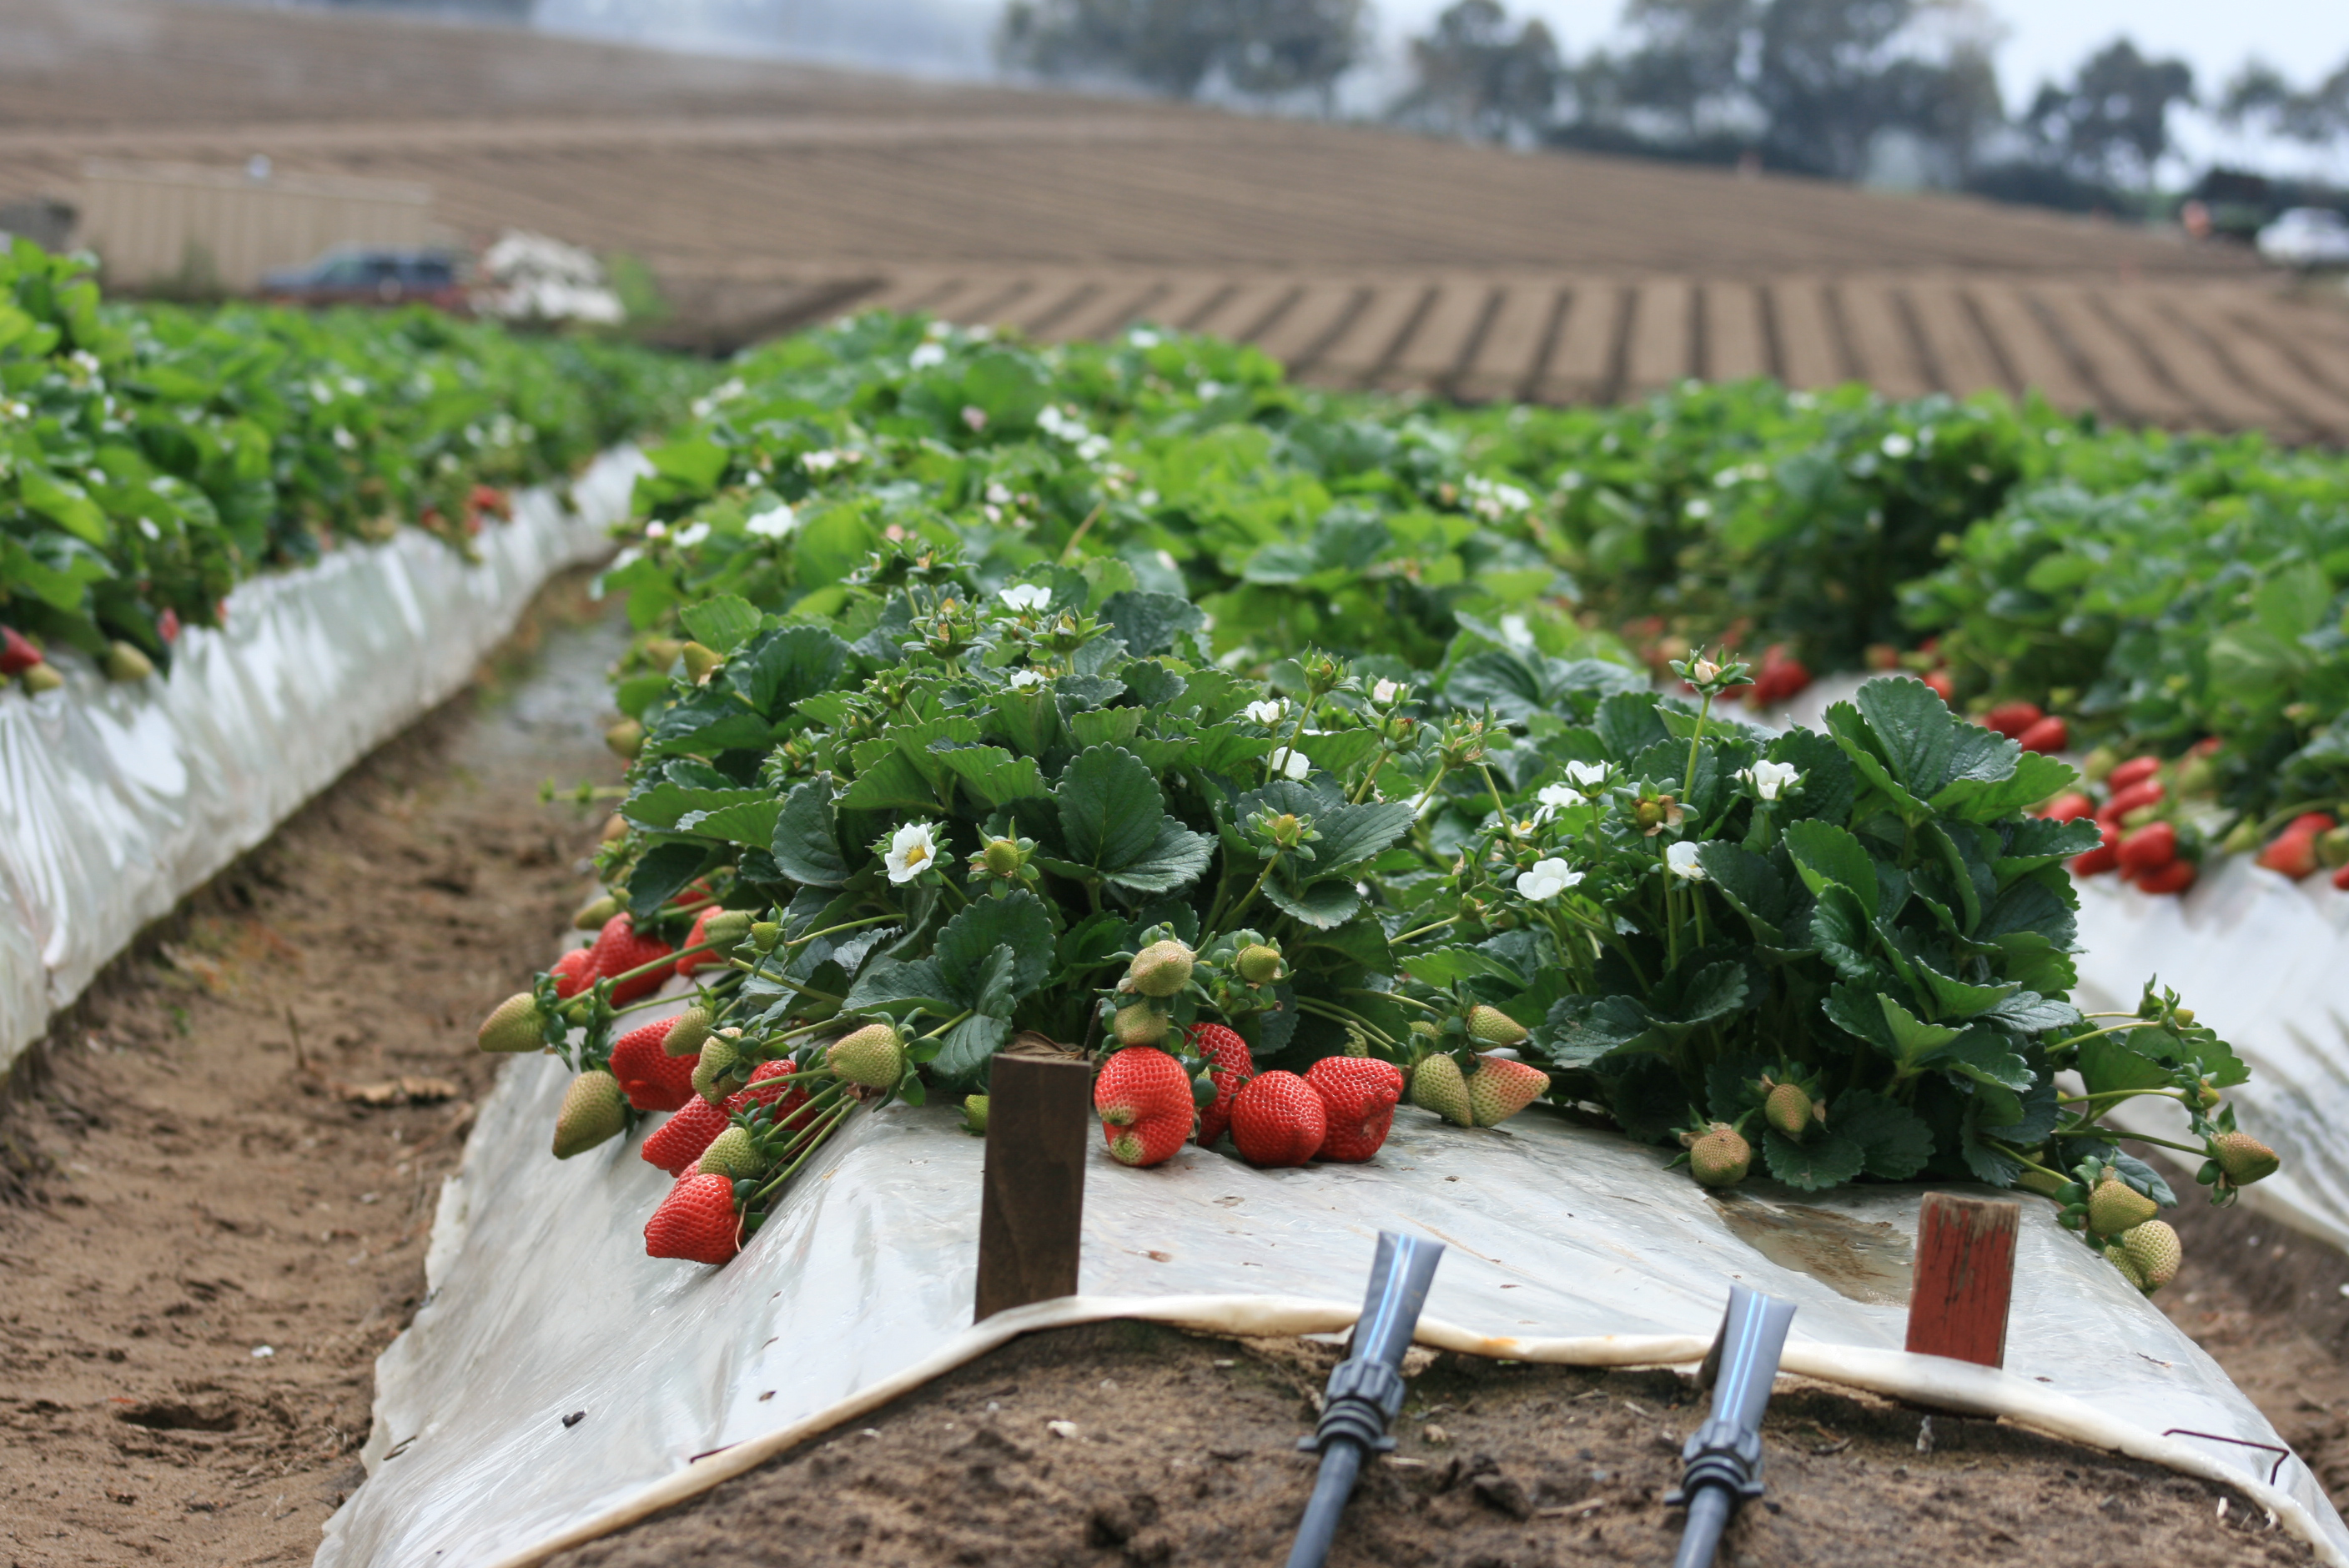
(2305, 38)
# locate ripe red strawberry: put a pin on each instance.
(1143, 1098)
(696, 1223)
(1501, 1087)
(2134, 771)
(573, 972)
(2050, 733)
(2011, 718)
(1358, 1095)
(2310, 822)
(681, 1140)
(700, 933)
(1278, 1120)
(2069, 806)
(2175, 877)
(2104, 857)
(2341, 879)
(17, 655)
(2144, 792)
(1942, 686)
(2148, 848)
(2293, 854)
(1229, 1066)
(619, 948)
(764, 1090)
(654, 1080)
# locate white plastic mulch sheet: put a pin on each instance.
(540, 1303)
(2262, 959)
(116, 800)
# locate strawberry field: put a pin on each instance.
(1307, 758)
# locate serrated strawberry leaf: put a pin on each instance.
(1893, 1140)
(1825, 1159)
(805, 844)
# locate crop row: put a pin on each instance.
(151, 458)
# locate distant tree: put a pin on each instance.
(1814, 83)
(1262, 48)
(2259, 93)
(1474, 78)
(2113, 119)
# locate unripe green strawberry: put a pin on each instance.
(1002, 858)
(974, 1112)
(1139, 1024)
(594, 1107)
(2115, 1206)
(733, 1153)
(2046, 1183)
(1161, 969)
(625, 739)
(2118, 1257)
(1720, 1156)
(1493, 1027)
(686, 1036)
(592, 916)
(725, 929)
(41, 677)
(719, 1056)
(2243, 1158)
(1257, 963)
(1436, 1085)
(1788, 1109)
(1502, 1088)
(2153, 1248)
(764, 934)
(125, 663)
(874, 1055)
(699, 661)
(514, 1024)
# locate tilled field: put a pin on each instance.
(220, 1179)
(767, 196)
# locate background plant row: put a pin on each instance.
(151, 458)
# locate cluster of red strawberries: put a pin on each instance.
(1778, 677)
(2026, 725)
(2308, 844)
(1341, 1108)
(2141, 840)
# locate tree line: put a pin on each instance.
(1901, 91)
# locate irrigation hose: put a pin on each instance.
(1722, 1463)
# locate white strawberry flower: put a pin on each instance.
(1385, 692)
(975, 418)
(775, 522)
(1586, 775)
(1557, 798)
(1022, 680)
(691, 534)
(1546, 880)
(1026, 596)
(1291, 764)
(925, 356)
(1770, 779)
(1681, 860)
(912, 848)
(1268, 711)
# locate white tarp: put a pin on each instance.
(541, 1304)
(116, 800)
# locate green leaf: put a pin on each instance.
(968, 1046)
(1825, 1158)
(1110, 807)
(697, 460)
(888, 984)
(1984, 1056)
(1824, 853)
(2036, 778)
(1750, 884)
(1627, 722)
(806, 841)
(1328, 903)
(1894, 1142)
(1914, 732)
(1353, 834)
(967, 944)
(892, 782)
(1148, 622)
(752, 822)
(1956, 998)
(1175, 862)
(661, 874)
(65, 504)
(1841, 931)
(666, 804)
(1104, 726)
(1581, 1031)
(783, 668)
(1851, 734)
(1446, 965)
(724, 623)
(992, 774)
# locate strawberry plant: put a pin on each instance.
(151, 458)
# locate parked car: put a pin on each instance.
(2307, 237)
(356, 275)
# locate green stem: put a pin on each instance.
(1423, 931)
(1704, 711)
(1285, 753)
(1507, 825)
(1068, 551)
(850, 926)
(832, 1120)
(1249, 897)
(2176, 1095)
(1364, 793)
(950, 1024)
(1346, 1015)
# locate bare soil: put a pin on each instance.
(1131, 1444)
(220, 1172)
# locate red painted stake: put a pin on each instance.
(1964, 1278)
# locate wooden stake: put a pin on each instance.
(1031, 1203)
(1964, 1279)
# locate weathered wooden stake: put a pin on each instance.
(1964, 1279)
(1031, 1201)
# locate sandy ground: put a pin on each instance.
(210, 1231)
